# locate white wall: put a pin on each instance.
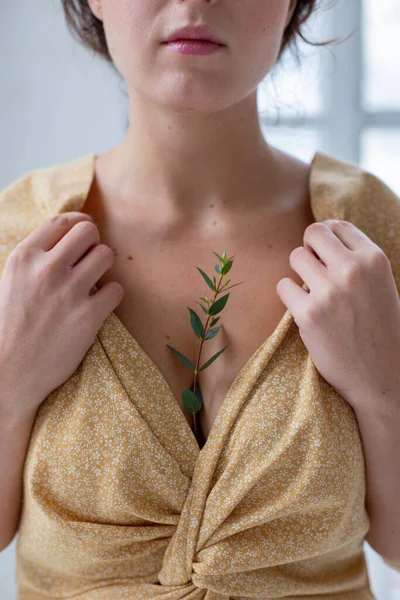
(57, 101)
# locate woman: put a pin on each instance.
(122, 496)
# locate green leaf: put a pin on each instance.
(207, 280)
(203, 307)
(234, 285)
(190, 401)
(208, 363)
(214, 321)
(224, 255)
(218, 305)
(212, 332)
(219, 257)
(197, 325)
(215, 281)
(205, 298)
(197, 392)
(227, 267)
(226, 283)
(183, 358)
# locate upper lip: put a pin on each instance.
(195, 32)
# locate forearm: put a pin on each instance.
(15, 432)
(380, 434)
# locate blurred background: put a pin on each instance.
(59, 102)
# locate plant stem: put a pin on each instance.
(199, 353)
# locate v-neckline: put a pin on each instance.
(275, 338)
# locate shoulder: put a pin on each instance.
(364, 199)
(359, 192)
(38, 194)
(21, 211)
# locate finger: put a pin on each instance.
(93, 266)
(296, 298)
(352, 237)
(75, 243)
(52, 230)
(312, 271)
(102, 301)
(319, 238)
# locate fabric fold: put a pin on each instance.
(120, 502)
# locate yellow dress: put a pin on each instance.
(120, 502)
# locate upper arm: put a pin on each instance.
(377, 214)
(20, 214)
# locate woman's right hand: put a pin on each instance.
(48, 316)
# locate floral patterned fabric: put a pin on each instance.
(120, 502)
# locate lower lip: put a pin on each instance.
(193, 46)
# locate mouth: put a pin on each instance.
(190, 33)
(192, 42)
(194, 47)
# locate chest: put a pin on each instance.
(161, 281)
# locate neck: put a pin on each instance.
(180, 163)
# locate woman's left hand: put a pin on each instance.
(350, 319)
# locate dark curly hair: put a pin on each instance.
(89, 31)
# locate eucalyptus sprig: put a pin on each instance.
(192, 399)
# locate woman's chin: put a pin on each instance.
(185, 102)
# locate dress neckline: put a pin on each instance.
(260, 357)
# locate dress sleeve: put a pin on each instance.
(377, 214)
(20, 213)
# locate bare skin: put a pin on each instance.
(194, 175)
(156, 264)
